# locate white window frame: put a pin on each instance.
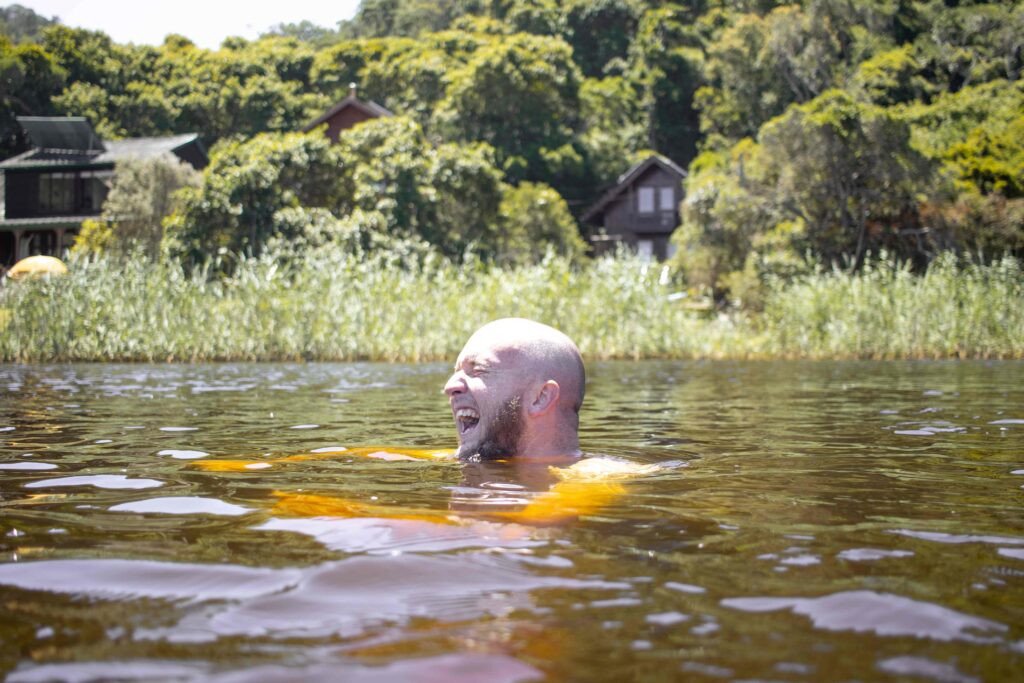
(645, 200)
(667, 198)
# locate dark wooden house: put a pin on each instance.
(46, 192)
(347, 113)
(641, 210)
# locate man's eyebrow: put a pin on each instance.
(474, 364)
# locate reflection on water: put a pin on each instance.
(794, 521)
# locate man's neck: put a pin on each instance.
(547, 446)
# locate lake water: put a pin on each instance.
(809, 522)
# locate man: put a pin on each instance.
(516, 393)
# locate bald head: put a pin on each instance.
(517, 391)
(540, 353)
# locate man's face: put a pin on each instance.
(485, 396)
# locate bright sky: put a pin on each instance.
(204, 22)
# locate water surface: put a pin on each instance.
(809, 522)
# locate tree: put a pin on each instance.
(721, 219)
(468, 198)
(847, 171)
(518, 94)
(972, 44)
(382, 173)
(600, 32)
(535, 219)
(29, 78)
(832, 178)
(305, 31)
(379, 18)
(542, 17)
(666, 70)
(22, 25)
(756, 66)
(246, 184)
(891, 77)
(143, 192)
(86, 56)
(447, 194)
(614, 126)
(972, 133)
(409, 78)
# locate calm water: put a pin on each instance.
(813, 522)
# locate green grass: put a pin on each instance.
(336, 306)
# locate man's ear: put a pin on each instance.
(545, 399)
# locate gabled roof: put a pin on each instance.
(61, 132)
(108, 153)
(37, 158)
(371, 109)
(628, 178)
(143, 148)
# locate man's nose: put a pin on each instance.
(455, 385)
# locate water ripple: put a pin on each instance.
(344, 598)
(880, 613)
(182, 505)
(100, 481)
(143, 578)
(183, 455)
(940, 537)
(405, 535)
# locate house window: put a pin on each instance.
(667, 198)
(645, 200)
(645, 250)
(56, 193)
(94, 190)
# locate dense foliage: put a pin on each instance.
(21, 24)
(143, 192)
(816, 132)
(352, 304)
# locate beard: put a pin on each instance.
(501, 436)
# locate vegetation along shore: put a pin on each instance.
(335, 305)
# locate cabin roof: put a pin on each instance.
(107, 153)
(625, 180)
(147, 147)
(370, 108)
(61, 132)
(44, 222)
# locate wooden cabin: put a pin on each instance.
(347, 113)
(640, 211)
(46, 192)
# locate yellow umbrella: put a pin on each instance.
(37, 265)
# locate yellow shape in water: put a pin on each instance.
(388, 453)
(586, 487)
(566, 501)
(310, 505)
(226, 465)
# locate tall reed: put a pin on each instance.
(333, 305)
(953, 310)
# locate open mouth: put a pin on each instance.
(466, 419)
